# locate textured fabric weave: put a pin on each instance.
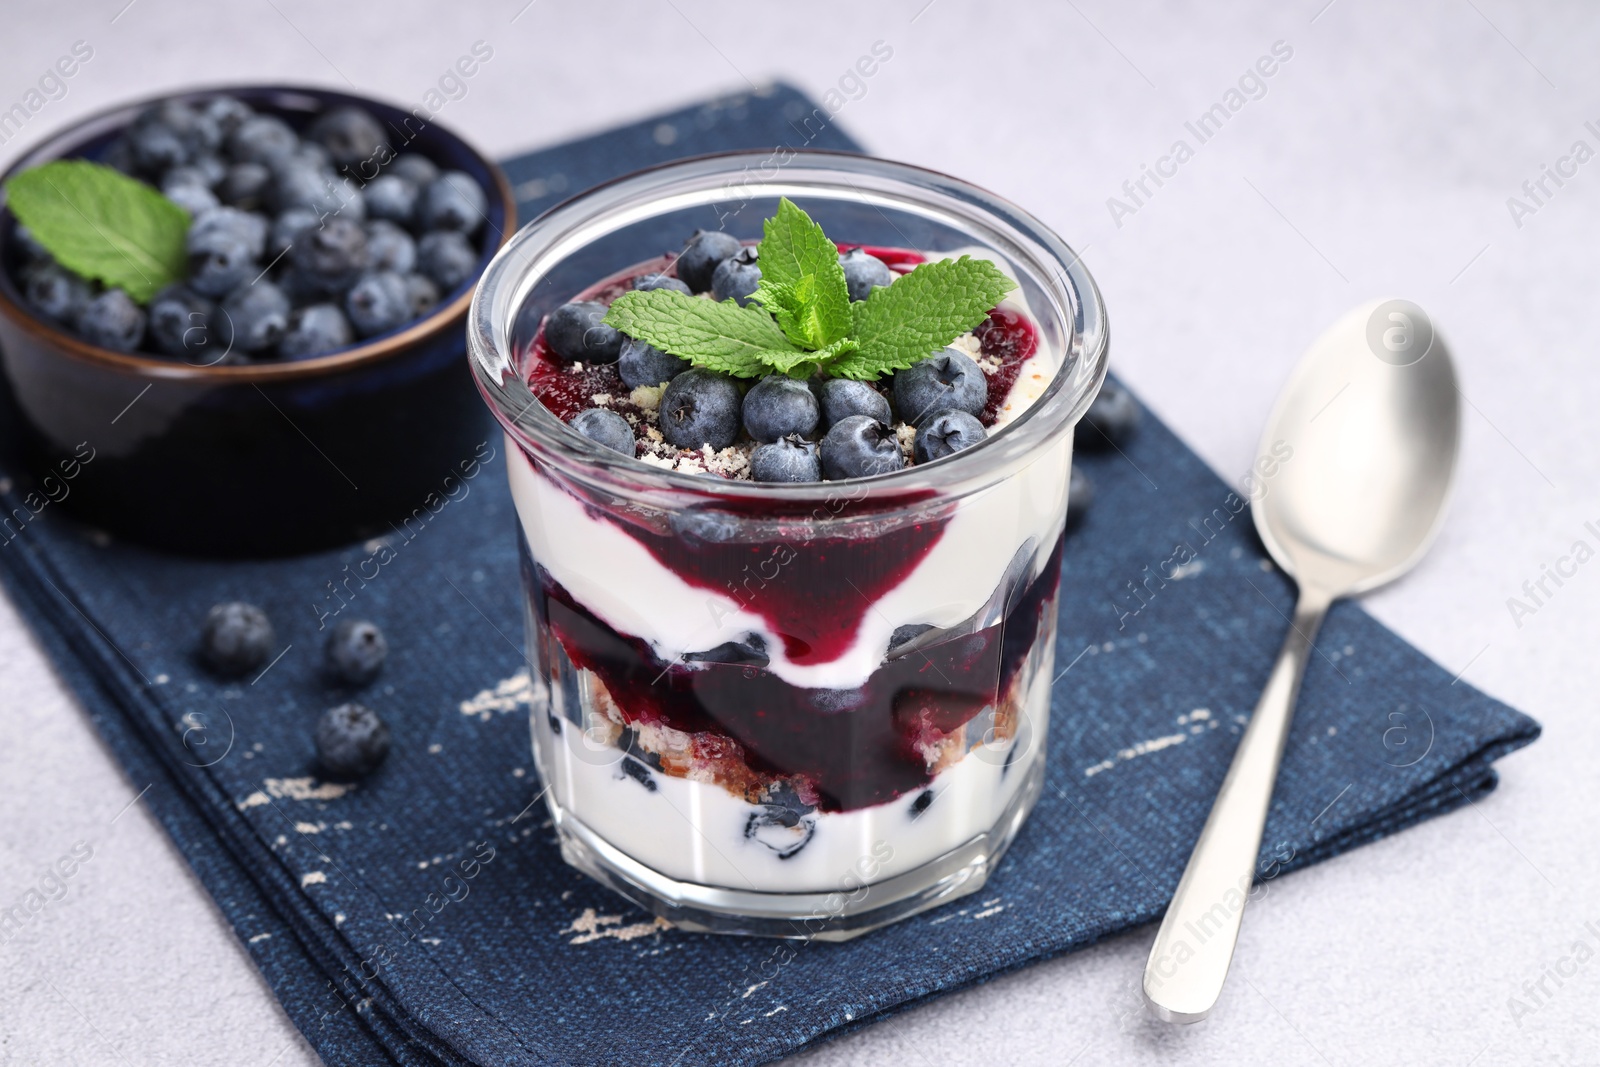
(426, 916)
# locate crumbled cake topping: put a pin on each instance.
(969, 345)
(647, 397)
(906, 434)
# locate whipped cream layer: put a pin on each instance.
(699, 832)
(622, 583)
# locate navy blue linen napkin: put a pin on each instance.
(425, 916)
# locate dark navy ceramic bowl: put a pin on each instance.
(263, 459)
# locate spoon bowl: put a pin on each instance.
(1364, 438)
(1374, 452)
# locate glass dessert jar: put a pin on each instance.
(797, 710)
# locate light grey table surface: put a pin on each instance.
(1379, 161)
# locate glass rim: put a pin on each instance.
(702, 181)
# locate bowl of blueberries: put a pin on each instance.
(232, 320)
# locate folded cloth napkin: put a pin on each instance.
(425, 916)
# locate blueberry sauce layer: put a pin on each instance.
(812, 594)
(839, 749)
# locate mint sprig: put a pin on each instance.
(899, 324)
(800, 319)
(103, 225)
(802, 283)
(725, 337)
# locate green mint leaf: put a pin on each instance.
(802, 283)
(922, 312)
(804, 364)
(103, 225)
(724, 337)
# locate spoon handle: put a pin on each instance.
(1189, 962)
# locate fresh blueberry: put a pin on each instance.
(182, 324)
(905, 634)
(778, 406)
(859, 446)
(636, 769)
(227, 112)
(945, 433)
(1080, 494)
(643, 364)
(419, 170)
(447, 257)
(219, 262)
(333, 255)
(119, 156)
(1111, 419)
(236, 638)
(321, 191)
(211, 169)
(287, 229)
(576, 333)
(261, 139)
(748, 651)
(605, 427)
(350, 135)
(782, 822)
(55, 292)
(703, 528)
(391, 197)
(864, 273)
(162, 137)
(258, 314)
(299, 288)
(788, 459)
(736, 277)
(197, 133)
(842, 397)
(315, 330)
(454, 201)
(352, 741)
(390, 247)
(112, 320)
(245, 185)
(645, 283)
(378, 303)
(26, 243)
(307, 155)
(354, 652)
(421, 294)
(189, 174)
(700, 256)
(191, 196)
(944, 381)
(247, 226)
(700, 407)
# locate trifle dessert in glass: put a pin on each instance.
(790, 449)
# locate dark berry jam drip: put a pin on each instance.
(852, 748)
(1009, 337)
(813, 593)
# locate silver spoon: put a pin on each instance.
(1370, 421)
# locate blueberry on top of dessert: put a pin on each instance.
(214, 234)
(791, 360)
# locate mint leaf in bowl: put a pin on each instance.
(103, 225)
